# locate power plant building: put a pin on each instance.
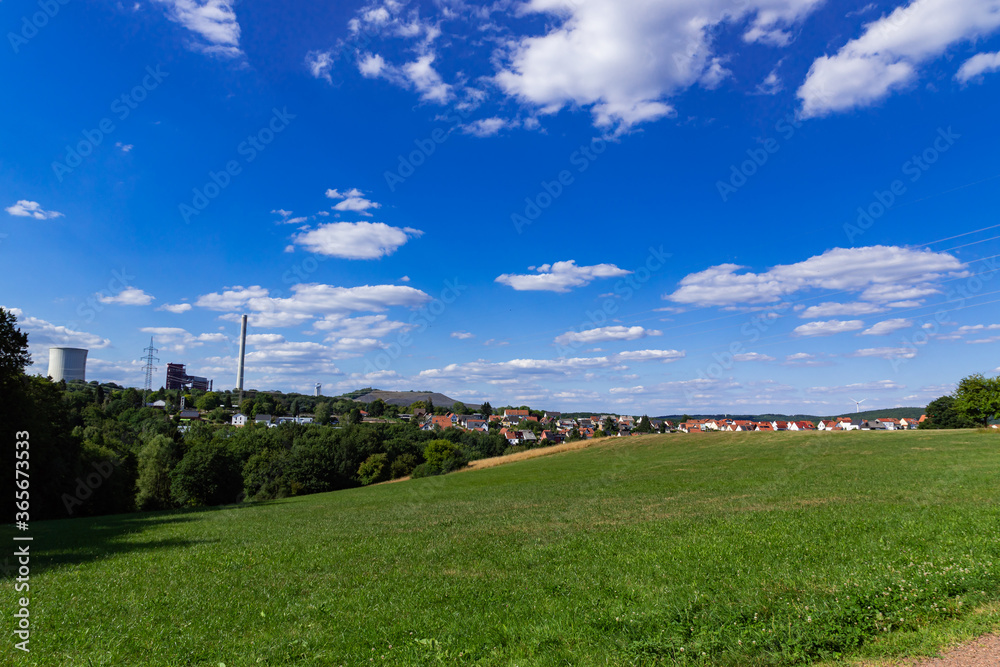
(177, 378)
(67, 363)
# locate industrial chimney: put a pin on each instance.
(243, 353)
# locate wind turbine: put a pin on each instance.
(858, 403)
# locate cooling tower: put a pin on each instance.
(67, 363)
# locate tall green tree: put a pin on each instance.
(458, 407)
(978, 398)
(156, 460)
(486, 409)
(14, 357)
(322, 413)
(376, 408)
(609, 427)
(942, 413)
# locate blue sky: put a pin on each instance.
(648, 207)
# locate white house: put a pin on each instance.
(239, 419)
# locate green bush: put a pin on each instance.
(207, 475)
(423, 470)
(403, 466)
(374, 469)
(444, 456)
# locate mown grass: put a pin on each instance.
(724, 549)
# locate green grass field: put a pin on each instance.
(719, 549)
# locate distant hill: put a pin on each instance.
(404, 398)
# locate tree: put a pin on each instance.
(376, 408)
(322, 413)
(156, 459)
(207, 401)
(14, 355)
(294, 408)
(444, 456)
(978, 398)
(486, 409)
(609, 427)
(246, 407)
(644, 425)
(374, 469)
(458, 407)
(417, 405)
(941, 413)
(354, 417)
(207, 475)
(430, 406)
(228, 403)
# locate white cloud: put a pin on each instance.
(666, 356)
(213, 21)
(355, 240)
(368, 326)
(977, 65)
(310, 301)
(832, 309)
(878, 385)
(886, 327)
(130, 296)
(752, 356)
(371, 65)
(175, 307)
(590, 336)
(771, 85)
(462, 335)
(880, 273)
(887, 352)
(125, 148)
(886, 56)
(560, 276)
(45, 334)
(31, 209)
(827, 328)
(487, 127)
(176, 339)
(625, 58)
(320, 64)
(353, 200)
(426, 80)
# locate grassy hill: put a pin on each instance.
(404, 398)
(725, 549)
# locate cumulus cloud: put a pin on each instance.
(560, 277)
(353, 200)
(597, 335)
(320, 64)
(624, 59)
(176, 339)
(886, 57)
(887, 352)
(31, 209)
(487, 127)
(42, 333)
(886, 327)
(462, 335)
(827, 328)
(977, 65)
(212, 21)
(752, 356)
(880, 273)
(130, 296)
(175, 307)
(833, 309)
(355, 240)
(311, 301)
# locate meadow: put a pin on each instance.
(720, 549)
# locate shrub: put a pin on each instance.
(403, 466)
(374, 469)
(207, 475)
(444, 456)
(423, 470)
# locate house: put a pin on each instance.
(847, 424)
(239, 419)
(548, 437)
(517, 415)
(908, 423)
(262, 419)
(549, 416)
(765, 426)
(888, 423)
(188, 415)
(779, 426)
(801, 426)
(157, 404)
(442, 421)
(827, 424)
(473, 424)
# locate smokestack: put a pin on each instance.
(243, 353)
